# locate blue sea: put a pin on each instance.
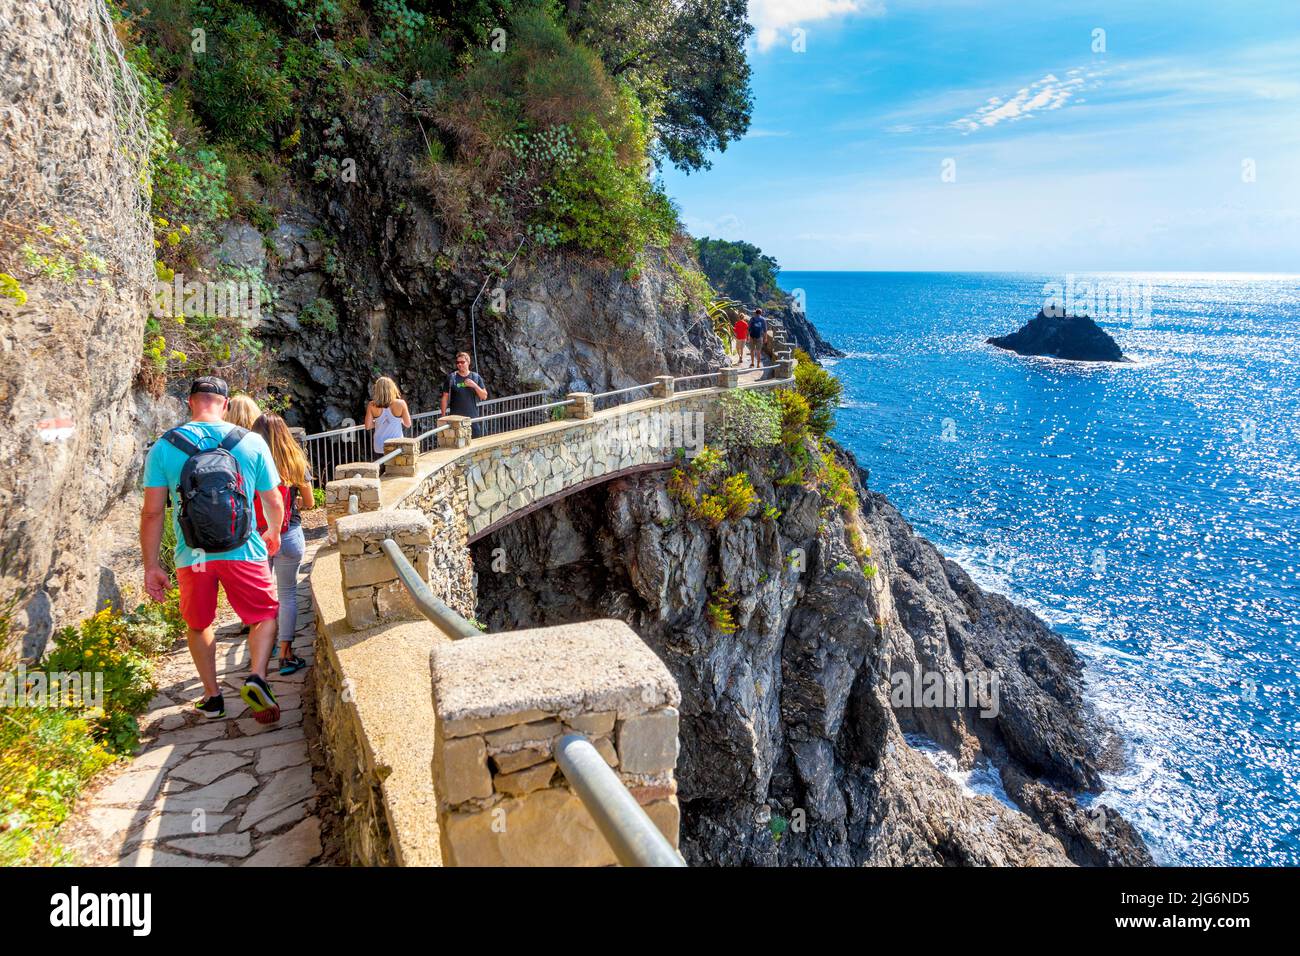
(1149, 512)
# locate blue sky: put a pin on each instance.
(1064, 158)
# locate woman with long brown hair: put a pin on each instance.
(295, 486)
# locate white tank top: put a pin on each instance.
(387, 426)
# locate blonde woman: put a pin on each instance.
(386, 413)
(296, 489)
(243, 412)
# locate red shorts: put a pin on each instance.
(249, 589)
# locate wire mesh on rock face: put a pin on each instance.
(75, 137)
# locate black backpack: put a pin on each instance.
(213, 511)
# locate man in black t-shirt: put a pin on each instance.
(463, 391)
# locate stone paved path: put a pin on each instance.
(226, 792)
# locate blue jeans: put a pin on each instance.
(285, 565)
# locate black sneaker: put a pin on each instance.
(260, 699)
(211, 707)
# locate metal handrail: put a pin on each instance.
(334, 431)
(623, 391)
(442, 617)
(628, 830)
(484, 403)
(692, 378)
(534, 408)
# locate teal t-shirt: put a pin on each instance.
(162, 469)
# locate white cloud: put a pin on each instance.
(772, 18)
(1049, 93)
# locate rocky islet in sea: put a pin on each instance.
(1052, 333)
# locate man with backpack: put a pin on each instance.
(757, 333)
(211, 470)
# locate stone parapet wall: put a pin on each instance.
(501, 703)
(442, 497)
(371, 588)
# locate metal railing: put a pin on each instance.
(328, 449)
(524, 406)
(620, 396)
(711, 376)
(630, 832)
(534, 415)
(443, 617)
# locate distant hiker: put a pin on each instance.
(386, 413)
(757, 332)
(296, 491)
(741, 330)
(242, 411)
(463, 391)
(211, 470)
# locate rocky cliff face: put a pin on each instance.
(375, 251)
(797, 748)
(73, 427)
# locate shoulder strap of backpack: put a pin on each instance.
(180, 441)
(233, 438)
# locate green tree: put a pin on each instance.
(685, 59)
(738, 268)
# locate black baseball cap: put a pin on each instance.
(210, 384)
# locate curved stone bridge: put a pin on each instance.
(470, 488)
(397, 696)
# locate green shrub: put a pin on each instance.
(794, 414)
(708, 495)
(101, 644)
(719, 610)
(737, 496)
(822, 391)
(750, 419)
(544, 143)
(738, 269)
(153, 627)
(239, 88)
(46, 757)
(47, 752)
(320, 313)
(837, 483)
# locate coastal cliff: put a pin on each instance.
(796, 747)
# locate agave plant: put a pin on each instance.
(721, 313)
